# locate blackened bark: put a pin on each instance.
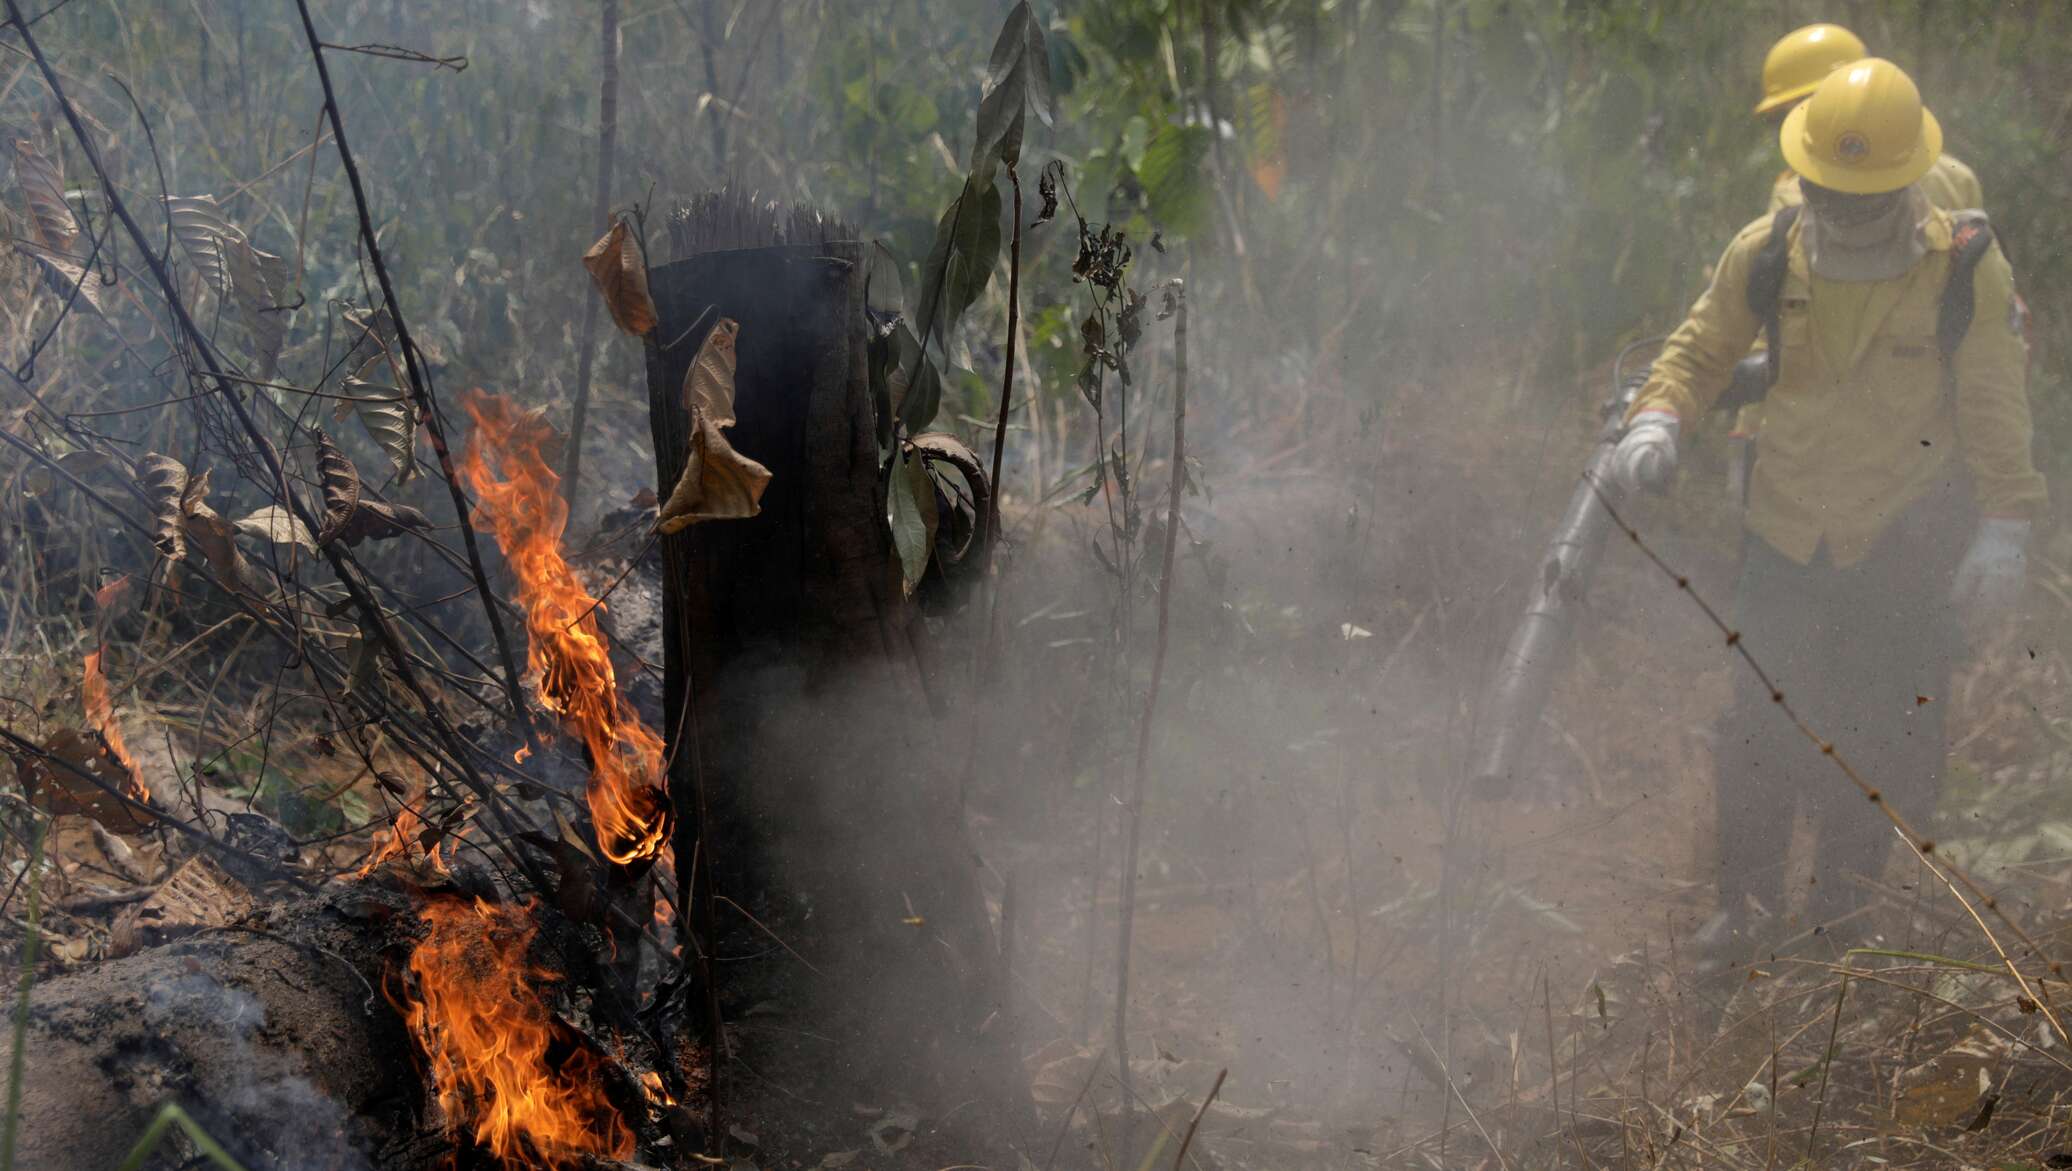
(829, 815)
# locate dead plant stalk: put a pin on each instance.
(1158, 658)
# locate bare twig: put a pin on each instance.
(1827, 1065)
(1158, 656)
(457, 63)
(420, 390)
(1187, 1140)
(1952, 874)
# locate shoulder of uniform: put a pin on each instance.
(1756, 231)
(1957, 166)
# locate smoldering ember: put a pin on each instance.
(789, 585)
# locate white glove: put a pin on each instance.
(1991, 576)
(1646, 455)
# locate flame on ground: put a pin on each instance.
(402, 832)
(100, 713)
(473, 1006)
(566, 655)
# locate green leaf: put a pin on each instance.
(1017, 78)
(960, 262)
(910, 510)
(1172, 176)
(915, 386)
(882, 286)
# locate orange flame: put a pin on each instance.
(402, 832)
(100, 714)
(566, 655)
(475, 1010)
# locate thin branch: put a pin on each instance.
(1178, 293)
(457, 63)
(1187, 1140)
(607, 142)
(420, 390)
(1921, 844)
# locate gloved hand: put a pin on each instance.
(1991, 576)
(1646, 455)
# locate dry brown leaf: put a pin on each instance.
(203, 235)
(341, 482)
(718, 483)
(1945, 1089)
(197, 896)
(164, 480)
(50, 216)
(277, 524)
(387, 418)
(377, 520)
(621, 276)
(62, 790)
(259, 286)
(217, 540)
(62, 275)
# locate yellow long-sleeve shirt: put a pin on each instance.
(1847, 447)
(1949, 185)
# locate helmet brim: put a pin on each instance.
(1778, 101)
(1791, 139)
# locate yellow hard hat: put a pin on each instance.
(1864, 131)
(1802, 60)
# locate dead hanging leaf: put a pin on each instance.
(203, 235)
(966, 523)
(621, 276)
(182, 519)
(217, 540)
(164, 480)
(63, 276)
(259, 285)
(376, 520)
(386, 417)
(117, 595)
(277, 524)
(82, 778)
(718, 483)
(341, 487)
(51, 221)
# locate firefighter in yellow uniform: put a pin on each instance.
(1892, 497)
(1794, 67)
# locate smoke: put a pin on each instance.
(259, 1106)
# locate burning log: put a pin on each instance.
(475, 1009)
(377, 1025)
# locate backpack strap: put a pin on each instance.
(1766, 286)
(1971, 237)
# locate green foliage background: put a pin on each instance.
(1469, 185)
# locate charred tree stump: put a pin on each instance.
(828, 811)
